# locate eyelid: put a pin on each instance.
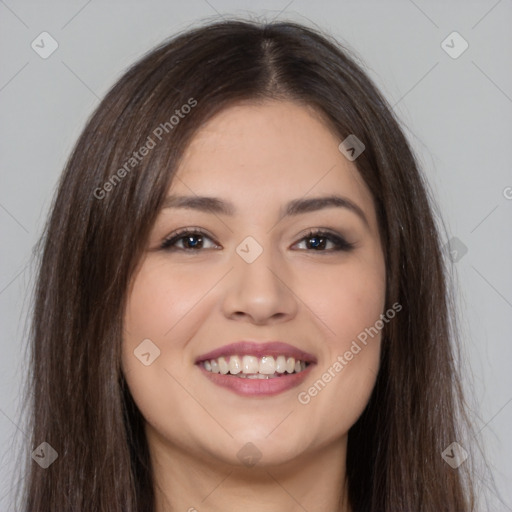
(343, 245)
(182, 232)
(336, 238)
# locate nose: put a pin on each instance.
(260, 292)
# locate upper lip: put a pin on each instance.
(270, 348)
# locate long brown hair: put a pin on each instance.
(96, 233)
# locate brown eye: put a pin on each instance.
(189, 239)
(319, 240)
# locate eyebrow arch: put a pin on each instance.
(294, 207)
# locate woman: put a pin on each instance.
(242, 301)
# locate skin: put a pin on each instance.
(258, 156)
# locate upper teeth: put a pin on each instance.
(266, 365)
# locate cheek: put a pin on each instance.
(162, 315)
(155, 303)
(350, 306)
(150, 314)
(348, 300)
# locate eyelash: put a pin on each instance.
(340, 243)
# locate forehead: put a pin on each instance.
(268, 152)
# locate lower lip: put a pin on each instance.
(258, 387)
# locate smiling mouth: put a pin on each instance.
(252, 367)
(256, 370)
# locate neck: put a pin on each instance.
(312, 481)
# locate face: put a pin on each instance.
(268, 285)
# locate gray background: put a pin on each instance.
(457, 114)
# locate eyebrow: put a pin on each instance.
(294, 207)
